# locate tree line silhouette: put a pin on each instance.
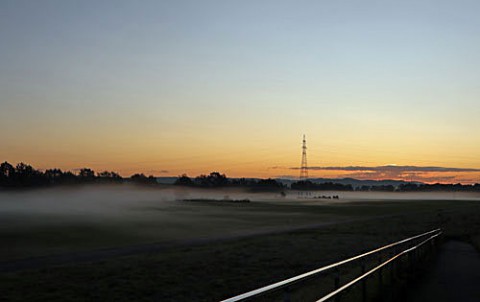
(218, 180)
(328, 186)
(408, 187)
(23, 175)
(215, 179)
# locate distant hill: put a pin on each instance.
(166, 180)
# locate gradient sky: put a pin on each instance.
(171, 87)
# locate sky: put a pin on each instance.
(172, 87)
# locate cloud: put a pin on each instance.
(155, 172)
(277, 167)
(410, 173)
(158, 171)
(286, 176)
(391, 168)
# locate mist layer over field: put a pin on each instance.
(120, 200)
(38, 222)
(109, 200)
(42, 222)
(393, 196)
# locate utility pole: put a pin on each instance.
(304, 167)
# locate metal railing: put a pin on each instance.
(288, 283)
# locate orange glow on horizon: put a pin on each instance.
(244, 155)
(253, 170)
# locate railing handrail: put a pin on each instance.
(373, 270)
(298, 278)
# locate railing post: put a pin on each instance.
(364, 283)
(410, 263)
(413, 256)
(337, 283)
(286, 294)
(392, 277)
(380, 277)
(398, 266)
(392, 268)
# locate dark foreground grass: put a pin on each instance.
(219, 269)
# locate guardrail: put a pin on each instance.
(414, 242)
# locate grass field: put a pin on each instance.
(198, 251)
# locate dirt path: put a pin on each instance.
(455, 276)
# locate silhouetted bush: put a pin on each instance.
(142, 179)
(213, 180)
(184, 180)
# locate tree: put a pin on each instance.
(26, 175)
(109, 176)
(53, 175)
(7, 174)
(267, 185)
(183, 180)
(214, 179)
(68, 178)
(86, 175)
(328, 186)
(303, 185)
(140, 178)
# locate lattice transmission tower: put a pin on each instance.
(304, 167)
